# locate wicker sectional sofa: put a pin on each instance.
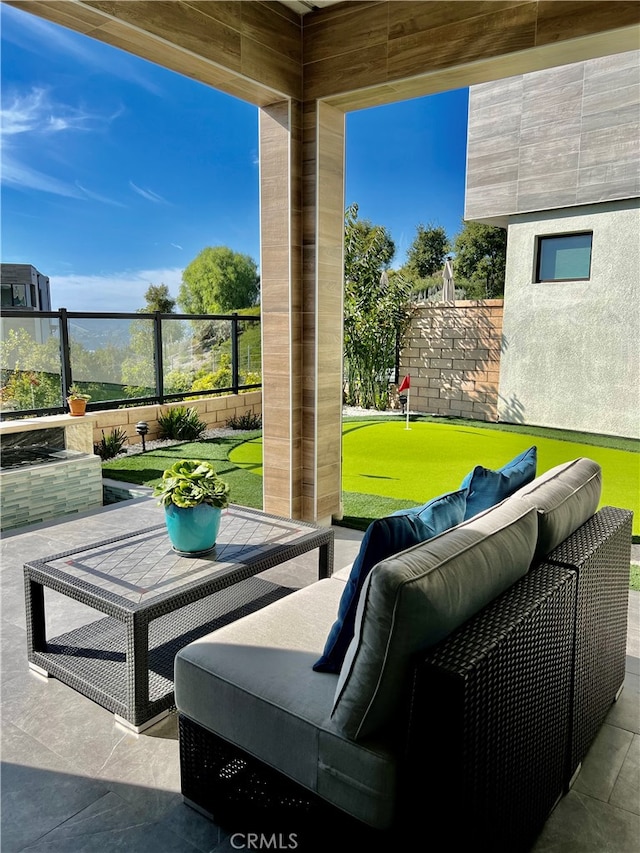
(482, 665)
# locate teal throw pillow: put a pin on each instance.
(384, 538)
(486, 488)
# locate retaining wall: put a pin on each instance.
(214, 411)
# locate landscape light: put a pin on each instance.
(142, 428)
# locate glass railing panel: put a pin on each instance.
(112, 359)
(30, 364)
(249, 352)
(196, 355)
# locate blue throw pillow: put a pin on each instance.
(486, 487)
(384, 538)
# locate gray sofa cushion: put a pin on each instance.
(251, 682)
(411, 601)
(343, 573)
(565, 497)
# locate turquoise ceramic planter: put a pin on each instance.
(192, 530)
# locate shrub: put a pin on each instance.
(177, 381)
(110, 445)
(181, 423)
(191, 482)
(248, 420)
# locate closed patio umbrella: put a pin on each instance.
(448, 288)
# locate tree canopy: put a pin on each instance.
(158, 298)
(480, 258)
(219, 280)
(425, 256)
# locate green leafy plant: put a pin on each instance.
(191, 482)
(75, 393)
(248, 420)
(29, 390)
(181, 423)
(110, 445)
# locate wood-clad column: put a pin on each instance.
(323, 232)
(281, 280)
(302, 311)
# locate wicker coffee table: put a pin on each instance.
(156, 602)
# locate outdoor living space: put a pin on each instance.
(75, 780)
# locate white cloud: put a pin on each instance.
(23, 177)
(27, 115)
(35, 112)
(148, 194)
(118, 291)
(97, 197)
(42, 38)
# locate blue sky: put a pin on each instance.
(116, 173)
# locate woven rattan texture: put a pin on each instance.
(487, 736)
(127, 667)
(600, 551)
(93, 657)
(490, 716)
(243, 795)
(140, 568)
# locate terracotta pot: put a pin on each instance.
(77, 408)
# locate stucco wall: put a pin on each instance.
(571, 353)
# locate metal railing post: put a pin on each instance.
(235, 372)
(66, 377)
(157, 355)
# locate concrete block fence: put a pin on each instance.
(453, 358)
(214, 411)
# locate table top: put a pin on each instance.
(140, 567)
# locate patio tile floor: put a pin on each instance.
(72, 780)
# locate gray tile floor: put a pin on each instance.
(72, 780)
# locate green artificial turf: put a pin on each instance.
(634, 579)
(387, 466)
(146, 468)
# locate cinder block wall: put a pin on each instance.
(453, 358)
(214, 411)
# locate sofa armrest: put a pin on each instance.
(600, 553)
(489, 716)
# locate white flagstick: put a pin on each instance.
(408, 404)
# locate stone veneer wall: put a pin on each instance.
(39, 492)
(214, 411)
(453, 358)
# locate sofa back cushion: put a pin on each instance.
(414, 600)
(486, 488)
(384, 538)
(565, 496)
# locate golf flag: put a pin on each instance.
(405, 385)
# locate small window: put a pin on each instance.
(14, 296)
(565, 257)
(7, 296)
